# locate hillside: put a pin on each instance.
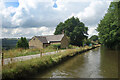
(9, 43)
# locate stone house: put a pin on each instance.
(44, 41)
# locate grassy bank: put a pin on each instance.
(24, 52)
(38, 65)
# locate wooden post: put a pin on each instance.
(11, 56)
(11, 59)
(40, 52)
(57, 50)
(2, 59)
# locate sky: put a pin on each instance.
(28, 18)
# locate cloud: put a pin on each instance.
(34, 14)
(26, 32)
(93, 13)
(92, 31)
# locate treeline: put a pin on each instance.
(9, 43)
(109, 26)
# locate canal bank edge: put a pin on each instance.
(24, 69)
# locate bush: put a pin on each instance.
(22, 43)
(87, 42)
(54, 46)
(73, 47)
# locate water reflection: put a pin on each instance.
(109, 63)
(97, 63)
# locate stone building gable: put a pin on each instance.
(35, 43)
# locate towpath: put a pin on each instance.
(23, 58)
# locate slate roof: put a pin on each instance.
(42, 39)
(50, 38)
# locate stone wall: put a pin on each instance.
(35, 43)
(64, 42)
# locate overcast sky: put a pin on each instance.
(28, 18)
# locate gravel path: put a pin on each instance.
(23, 58)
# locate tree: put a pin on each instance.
(87, 42)
(22, 43)
(74, 29)
(109, 28)
(94, 38)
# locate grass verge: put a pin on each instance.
(23, 69)
(24, 52)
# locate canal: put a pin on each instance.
(97, 63)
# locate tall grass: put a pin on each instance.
(23, 52)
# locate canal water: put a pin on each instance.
(97, 63)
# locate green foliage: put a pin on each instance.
(74, 29)
(94, 38)
(54, 46)
(109, 28)
(87, 42)
(73, 47)
(22, 43)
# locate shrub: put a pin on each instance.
(22, 43)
